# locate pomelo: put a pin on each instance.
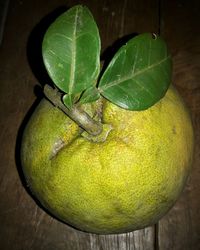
(125, 183)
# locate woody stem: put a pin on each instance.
(75, 113)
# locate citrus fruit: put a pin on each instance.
(127, 182)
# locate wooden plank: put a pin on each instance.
(24, 225)
(180, 228)
(3, 13)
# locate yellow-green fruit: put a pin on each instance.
(125, 183)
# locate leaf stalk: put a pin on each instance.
(77, 114)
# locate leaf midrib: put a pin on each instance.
(116, 82)
(72, 70)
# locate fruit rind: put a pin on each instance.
(125, 183)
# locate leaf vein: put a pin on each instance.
(72, 69)
(134, 64)
(128, 102)
(143, 88)
(64, 36)
(54, 54)
(129, 77)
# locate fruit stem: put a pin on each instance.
(75, 113)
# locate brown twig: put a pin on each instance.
(75, 113)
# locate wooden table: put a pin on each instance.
(23, 224)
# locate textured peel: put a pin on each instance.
(125, 183)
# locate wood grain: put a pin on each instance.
(23, 224)
(180, 228)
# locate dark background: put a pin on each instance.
(23, 224)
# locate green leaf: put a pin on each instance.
(90, 95)
(139, 74)
(71, 50)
